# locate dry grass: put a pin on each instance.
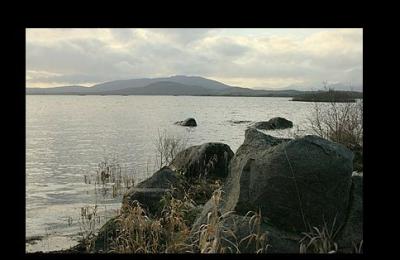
(212, 234)
(88, 222)
(138, 233)
(257, 236)
(320, 240)
(358, 247)
(170, 231)
(339, 122)
(217, 234)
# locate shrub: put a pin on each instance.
(341, 123)
(167, 147)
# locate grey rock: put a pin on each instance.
(150, 191)
(274, 123)
(206, 160)
(352, 233)
(295, 183)
(187, 122)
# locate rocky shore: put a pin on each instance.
(296, 184)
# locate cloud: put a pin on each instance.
(249, 58)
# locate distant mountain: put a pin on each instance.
(175, 85)
(139, 83)
(130, 83)
(199, 81)
(163, 88)
(173, 88)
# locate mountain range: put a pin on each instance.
(174, 85)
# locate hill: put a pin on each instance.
(163, 88)
(174, 85)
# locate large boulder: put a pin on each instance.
(351, 235)
(150, 191)
(295, 183)
(187, 122)
(208, 160)
(274, 123)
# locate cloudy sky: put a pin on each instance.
(254, 58)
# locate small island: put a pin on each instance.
(329, 95)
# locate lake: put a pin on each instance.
(68, 136)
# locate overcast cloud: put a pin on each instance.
(254, 58)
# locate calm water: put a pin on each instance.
(67, 136)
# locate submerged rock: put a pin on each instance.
(239, 121)
(274, 123)
(187, 122)
(208, 160)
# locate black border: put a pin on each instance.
(253, 18)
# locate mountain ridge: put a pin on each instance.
(174, 85)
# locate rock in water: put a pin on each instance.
(187, 122)
(274, 123)
(150, 191)
(208, 160)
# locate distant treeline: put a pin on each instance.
(329, 96)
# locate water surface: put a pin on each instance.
(67, 136)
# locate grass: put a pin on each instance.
(212, 234)
(111, 178)
(256, 235)
(358, 247)
(320, 240)
(170, 231)
(141, 233)
(89, 222)
(341, 123)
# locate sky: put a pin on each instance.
(252, 58)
